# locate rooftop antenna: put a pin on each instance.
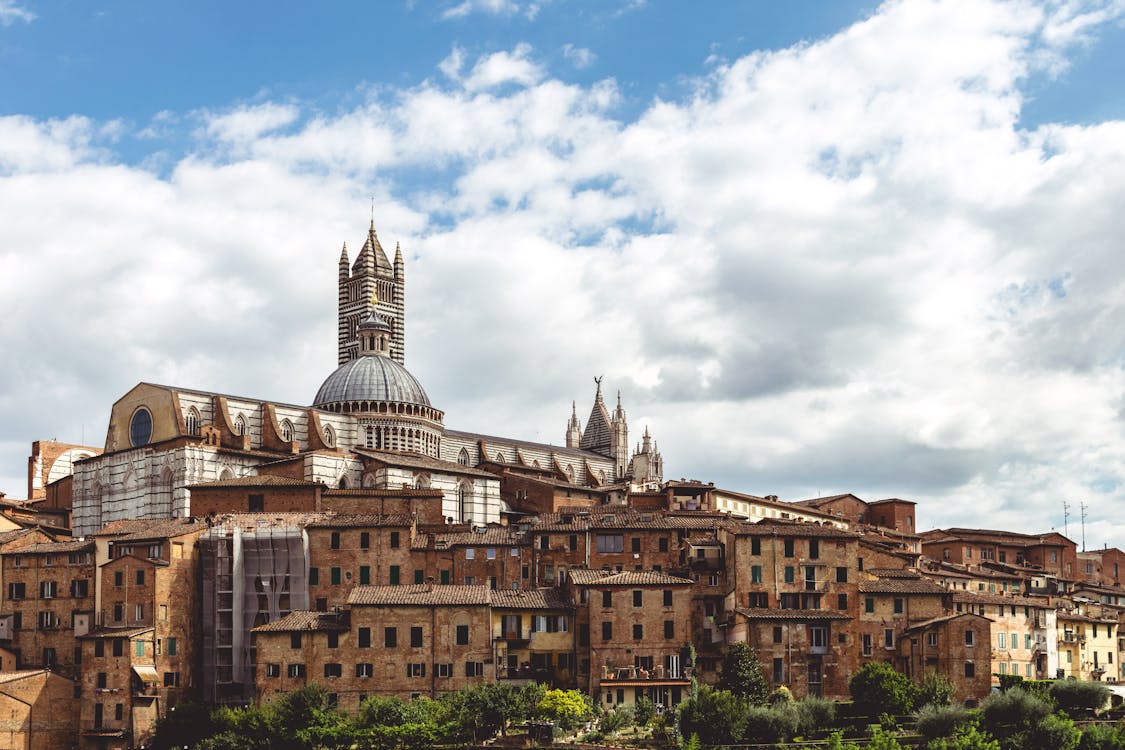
(1066, 515)
(1082, 505)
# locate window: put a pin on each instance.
(415, 670)
(139, 613)
(778, 670)
(365, 539)
(100, 682)
(777, 633)
(635, 544)
(416, 637)
(463, 457)
(970, 669)
(462, 635)
(118, 612)
(314, 576)
(869, 604)
(609, 543)
(607, 599)
(790, 601)
(17, 590)
(814, 549)
(790, 574)
(99, 648)
(49, 589)
(118, 578)
(899, 605)
(789, 552)
(364, 574)
(474, 668)
(638, 632)
(171, 646)
(668, 598)
(286, 431)
(755, 574)
(390, 637)
(395, 572)
(240, 425)
(335, 576)
(1001, 640)
(669, 629)
(119, 711)
(841, 601)
(755, 546)
(333, 640)
(192, 421)
(333, 670)
(443, 670)
(970, 638)
(607, 631)
(140, 427)
(364, 638)
(931, 638)
(841, 575)
(396, 539)
(490, 553)
(818, 636)
(171, 679)
(888, 638)
(49, 656)
(759, 599)
(334, 540)
(294, 640)
(364, 669)
(663, 544)
(470, 553)
(296, 670)
(638, 598)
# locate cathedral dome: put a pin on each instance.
(371, 378)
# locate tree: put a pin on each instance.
(717, 716)
(934, 721)
(1079, 699)
(742, 675)
(184, 724)
(643, 711)
(567, 708)
(878, 688)
(934, 689)
(1013, 718)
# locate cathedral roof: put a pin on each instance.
(597, 436)
(371, 379)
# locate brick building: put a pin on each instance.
(533, 634)
(38, 710)
(955, 646)
(120, 688)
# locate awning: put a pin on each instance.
(146, 673)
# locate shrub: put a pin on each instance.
(1079, 698)
(770, 724)
(781, 694)
(1009, 681)
(742, 674)
(1007, 714)
(567, 708)
(618, 718)
(717, 716)
(643, 711)
(878, 688)
(1056, 731)
(815, 715)
(934, 689)
(1102, 737)
(935, 721)
(968, 737)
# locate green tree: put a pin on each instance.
(934, 721)
(1079, 699)
(184, 724)
(968, 737)
(742, 674)
(643, 711)
(717, 716)
(878, 688)
(1102, 737)
(380, 711)
(934, 689)
(567, 708)
(1014, 717)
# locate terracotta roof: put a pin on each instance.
(116, 632)
(301, 620)
(774, 613)
(587, 577)
(891, 500)
(161, 528)
(529, 599)
(893, 572)
(419, 595)
(623, 518)
(976, 597)
(902, 586)
(941, 619)
(556, 449)
(418, 461)
(370, 492)
(22, 674)
(816, 502)
(259, 480)
(13, 534)
(53, 548)
(498, 536)
(360, 520)
(795, 529)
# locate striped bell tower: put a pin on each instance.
(372, 279)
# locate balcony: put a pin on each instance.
(635, 675)
(528, 674)
(514, 638)
(102, 729)
(1071, 637)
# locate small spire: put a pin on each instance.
(619, 399)
(373, 213)
(574, 409)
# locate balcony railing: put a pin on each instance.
(1070, 637)
(632, 674)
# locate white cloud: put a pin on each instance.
(11, 12)
(841, 266)
(492, 8)
(580, 57)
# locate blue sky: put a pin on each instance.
(819, 247)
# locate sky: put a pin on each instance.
(817, 247)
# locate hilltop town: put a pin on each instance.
(226, 549)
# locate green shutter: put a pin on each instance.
(335, 576)
(171, 647)
(444, 577)
(419, 576)
(365, 574)
(394, 575)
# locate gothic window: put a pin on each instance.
(192, 421)
(287, 430)
(464, 498)
(570, 472)
(463, 457)
(329, 436)
(422, 482)
(369, 437)
(140, 428)
(226, 474)
(240, 425)
(499, 457)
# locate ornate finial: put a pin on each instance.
(618, 399)
(373, 213)
(598, 380)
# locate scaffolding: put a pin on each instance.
(253, 573)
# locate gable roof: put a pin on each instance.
(420, 595)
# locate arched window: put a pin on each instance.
(570, 473)
(140, 428)
(329, 436)
(240, 425)
(287, 430)
(226, 474)
(422, 482)
(343, 483)
(463, 457)
(499, 457)
(192, 421)
(464, 501)
(369, 437)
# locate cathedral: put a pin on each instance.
(370, 426)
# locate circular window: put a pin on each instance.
(140, 427)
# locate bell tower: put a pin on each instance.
(372, 281)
